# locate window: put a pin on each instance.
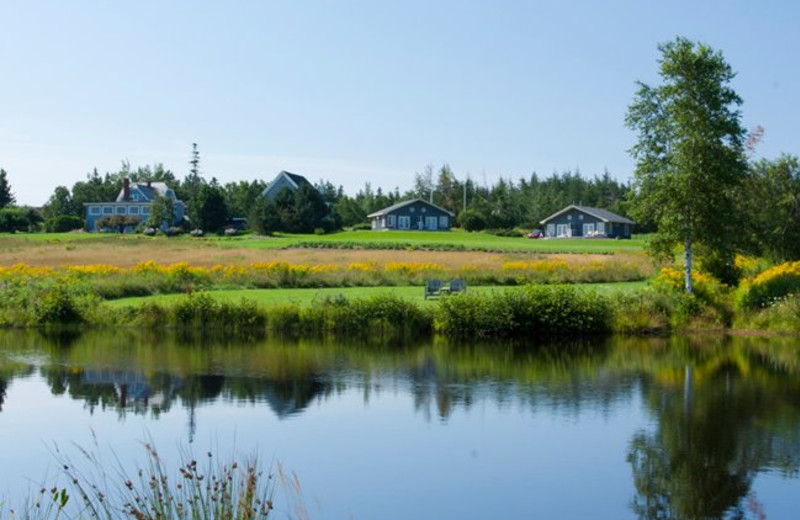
(600, 227)
(551, 230)
(95, 210)
(423, 210)
(121, 210)
(390, 221)
(563, 230)
(145, 210)
(443, 222)
(133, 210)
(569, 217)
(108, 210)
(411, 210)
(404, 222)
(588, 229)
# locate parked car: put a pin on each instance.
(536, 233)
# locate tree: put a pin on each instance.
(60, 203)
(6, 197)
(690, 153)
(209, 211)
(773, 207)
(162, 212)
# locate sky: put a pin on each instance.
(358, 91)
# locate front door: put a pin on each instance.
(430, 223)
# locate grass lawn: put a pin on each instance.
(268, 297)
(358, 239)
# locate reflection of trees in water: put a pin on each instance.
(3, 386)
(727, 420)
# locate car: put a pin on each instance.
(536, 233)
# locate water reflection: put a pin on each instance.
(721, 410)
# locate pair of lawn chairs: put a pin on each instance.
(435, 288)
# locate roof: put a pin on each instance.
(405, 203)
(150, 190)
(294, 180)
(602, 214)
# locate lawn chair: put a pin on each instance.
(458, 286)
(433, 288)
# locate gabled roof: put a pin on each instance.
(149, 190)
(602, 214)
(294, 181)
(405, 203)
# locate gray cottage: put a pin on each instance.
(283, 180)
(583, 221)
(414, 214)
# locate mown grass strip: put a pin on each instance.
(304, 297)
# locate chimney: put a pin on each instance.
(126, 190)
(149, 184)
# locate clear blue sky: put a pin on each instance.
(355, 91)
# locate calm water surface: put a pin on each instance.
(701, 427)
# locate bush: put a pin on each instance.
(537, 311)
(472, 220)
(363, 226)
(63, 224)
(769, 286)
(58, 307)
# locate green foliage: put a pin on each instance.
(60, 203)
(472, 220)
(6, 197)
(690, 154)
(538, 311)
(772, 204)
(162, 213)
(58, 306)
(769, 287)
(18, 219)
(209, 211)
(63, 224)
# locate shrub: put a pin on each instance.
(537, 311)
(58, 307)
(63, 224)
(672, 280)
(769, 286)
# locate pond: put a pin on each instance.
(683, 427)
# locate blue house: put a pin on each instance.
(134, 200)
(583, 221)
(416, 214)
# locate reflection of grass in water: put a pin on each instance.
(209, 490)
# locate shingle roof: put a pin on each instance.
(602, 214)
(403, 204)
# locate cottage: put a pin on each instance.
(134, 202)
(414, 214)
(583, 221)
(284, 179)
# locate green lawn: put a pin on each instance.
(372, 239)
(268, 297)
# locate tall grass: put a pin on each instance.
(209, 490)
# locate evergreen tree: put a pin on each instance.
(6, 197)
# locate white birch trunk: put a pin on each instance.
(687, 259)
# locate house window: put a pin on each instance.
(588, 229)
(95, 210)
(580, 217)
(145, 210)
(443, 222)
(600, 227)
(569, 217)
(133, 210)
(108, 210)
(404, 222)
(563, 230)
(121, 210)
(390, 221)
(551, 230)
(411, 210)
(423, 210)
